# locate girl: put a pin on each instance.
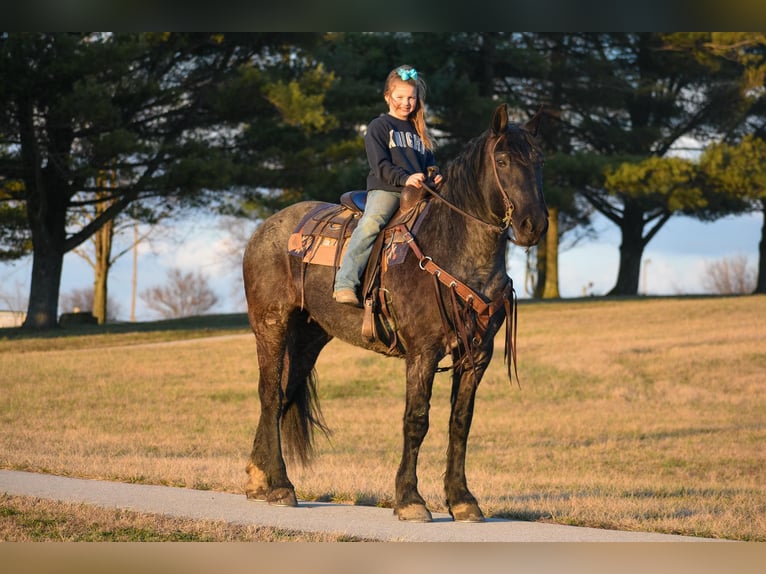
(399, 151)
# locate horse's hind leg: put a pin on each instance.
(287, 352)
(267, 473)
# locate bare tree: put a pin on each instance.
(184, 295)
(729, 276)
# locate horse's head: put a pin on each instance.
(517, 172)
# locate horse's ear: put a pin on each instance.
(533, 125)
(500, 119)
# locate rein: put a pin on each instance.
(453, 207)
(506, 200)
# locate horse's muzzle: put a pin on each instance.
(528, 231)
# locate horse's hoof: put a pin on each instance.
(466, 512)
(258, 495)
(282, 497)
(413, 513)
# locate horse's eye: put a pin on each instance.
(501, 162)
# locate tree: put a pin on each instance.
(184, 295)
(161, 110)
(641, 197)
(747, 51)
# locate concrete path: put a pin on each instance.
(358, 521)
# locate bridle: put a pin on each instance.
(506, 199)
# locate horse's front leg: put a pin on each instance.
(461, 503)
(409, 504)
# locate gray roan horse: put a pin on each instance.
(492, 193)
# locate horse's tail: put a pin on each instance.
(301, 417)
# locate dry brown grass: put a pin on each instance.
(28, 519)
(633, 414)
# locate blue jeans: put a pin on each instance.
(381, 206)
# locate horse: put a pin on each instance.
(491, 193)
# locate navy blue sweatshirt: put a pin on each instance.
(394, 151)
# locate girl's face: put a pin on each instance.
(402, 100)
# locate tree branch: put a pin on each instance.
(653, 231)
(602, 205)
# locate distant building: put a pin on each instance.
(12, 318)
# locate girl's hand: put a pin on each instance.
(415, 180)
(438, 179)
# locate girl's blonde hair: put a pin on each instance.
(418, 115)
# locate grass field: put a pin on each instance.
(641, 414)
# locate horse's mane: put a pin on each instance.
(461, 171)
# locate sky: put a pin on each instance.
(674, 262)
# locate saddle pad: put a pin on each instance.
(319, 233)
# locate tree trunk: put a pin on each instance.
(46, 215)
(47, 263)
(541, 254)
(103, 248)
(46, 205)
(631, 251)
(134, 280)
(551, 288)
(760, 284)
(101, 271)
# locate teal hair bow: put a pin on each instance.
(411, 74)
